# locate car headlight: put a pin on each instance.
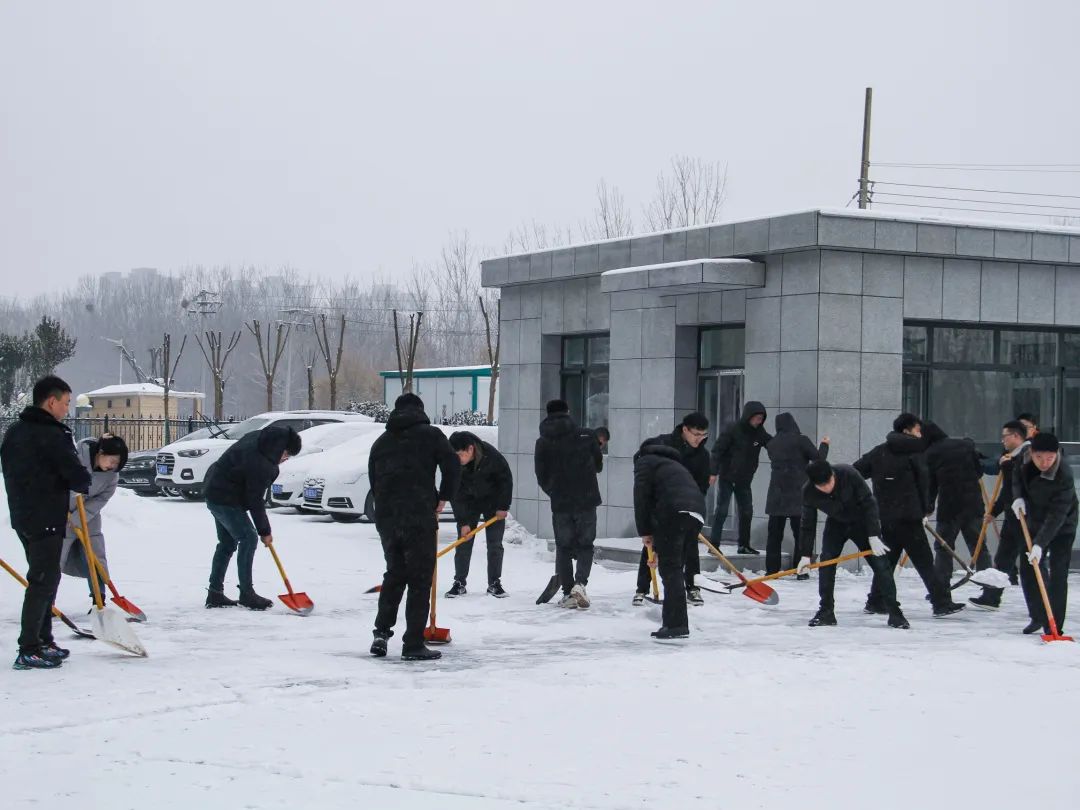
(191, 453)
(352, 478)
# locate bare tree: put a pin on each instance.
(333, 362)
(611, 217)
(407, 361)
(268, 357)
(216, 353)
(311, 382)
(692, 194)
(167, 375)
(493, 351)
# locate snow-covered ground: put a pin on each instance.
(530, 706)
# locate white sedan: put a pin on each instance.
(288, 489)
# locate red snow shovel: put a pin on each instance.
(432, 633)
(790, 571)
(121, 602)
(758, 591)
(1053, 635)
(55, 611)
(296, 602)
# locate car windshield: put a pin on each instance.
(201, 433)
(245, 427)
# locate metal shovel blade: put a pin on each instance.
(760, 592)
(436, 635)
(110, 627)
(297, 602)
(130, 608)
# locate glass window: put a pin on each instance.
(916, 344)
(573, 352)
(585, 378)
(914, 391)
(723, 347)
(999, 394)
(1070, 349)
(1028, 348)
(960, 345)
(599, 351)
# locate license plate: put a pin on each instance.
(276, 489)
(162, 469)
(311, 494)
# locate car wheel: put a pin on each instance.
(300, 510)
(147, 493)
(341, 517)
(369, 507)
(170, 492)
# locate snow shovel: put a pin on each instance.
(790, 571)
(549, 590)
(969, 573)
(121, 602)
(55, 611)
(297, 602)
(432, 633)
(109, 626)
(758, 591)
(655, 598)
(1053, 635)
(989, 502)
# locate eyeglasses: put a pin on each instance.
(697, 434)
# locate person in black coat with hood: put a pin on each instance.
(735, 458)
(567, 460)
(669, 509)
(789, 453)
(401, 467)
(485, 491)
(40, 469)
(956, 469)
(901, 481)
(236, 487)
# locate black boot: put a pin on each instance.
(250, 599)
(216, 599)
(989, 599)
(748, 550)
(898, 620)
(421, 653)
(1033, 627)
(668, 633)
(947, 609)
(378, 644)
(875, 607)
(824, 618)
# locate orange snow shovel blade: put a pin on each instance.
(758, 591)
(296, 601)
(434, 634)
(121, 602)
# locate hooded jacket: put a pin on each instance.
(102, 487)
(41, 469)
(737, 451)
(487, 485)
(402, 467)
(849, 503)
(789, 452)
(955, 469)
(242, 475)
(901, 481)
(663, 488)
(1051, 501)
(695, 459)
(567, 459)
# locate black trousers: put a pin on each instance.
(1010, 544)
(832, 544)
(744, 501)
(409, 549)
(910, 536)
(575, 536)
(43, 576)
(776, 541)
(493, 536)
(670, 539)
(1055, 572)
(970, 528)
(691, 567)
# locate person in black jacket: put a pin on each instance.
(401, 467)
(789, 453)
(902, 489)
(669, 509)
(851, 514)
(1011, 539)
(1046, 497)
(40, 469)
(735, 458)
(688, 439)
(567, 460)
(485, 491)
(236, 487)
(955, 468)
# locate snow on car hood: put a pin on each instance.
(199, 444)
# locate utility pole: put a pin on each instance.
(299, 325)
(864, 172)
(204, 305)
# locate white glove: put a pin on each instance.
(804, 566)
(1035, 554)
(1019, 508)
(877, 547)
(926, 521)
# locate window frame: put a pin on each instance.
(579, 408)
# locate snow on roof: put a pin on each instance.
(141, 388)
(447, 371)
(644, 268)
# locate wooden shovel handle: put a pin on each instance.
(91, 559)
(22, 581)
(97, 563)
(650, 556)
(280, 568)
(988, 503)
(728, 563)
(813, 567)
(1038, 578)
(466, 538)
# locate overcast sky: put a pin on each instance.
(350, 138)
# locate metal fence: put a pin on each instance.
(139, 434)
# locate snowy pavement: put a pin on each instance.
(535, 707)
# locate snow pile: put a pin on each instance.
(992, 578)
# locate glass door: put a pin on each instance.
(720, 397)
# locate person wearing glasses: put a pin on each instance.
(789, 453)
(688, 439)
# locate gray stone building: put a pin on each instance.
(841, 317)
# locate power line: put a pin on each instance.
(977, 190)
(986, 165)
(978, 210)
(968, 200)
(943, 167)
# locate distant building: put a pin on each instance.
(142, 401)
(445, 391)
